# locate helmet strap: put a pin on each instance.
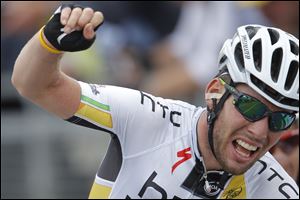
(212, 116)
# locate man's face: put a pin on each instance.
(239, 143)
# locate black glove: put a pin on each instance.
(74, 41)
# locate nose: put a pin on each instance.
(259, 129)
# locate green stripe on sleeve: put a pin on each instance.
(95, 103)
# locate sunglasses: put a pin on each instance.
(253, 110)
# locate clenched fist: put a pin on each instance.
(72, 28)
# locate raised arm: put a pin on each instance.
(37, 75)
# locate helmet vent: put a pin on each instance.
(257, 49)
(294, 67)
(222, 60)
(273, 93)
(276, 64)
(238, 56)
(251, 31)
(294, 48)
(274, 35)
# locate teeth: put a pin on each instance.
(246, 145)
(243, 153)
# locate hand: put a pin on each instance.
(79, 19)
(72, 28)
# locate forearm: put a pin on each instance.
(37, 75)
(36, 69)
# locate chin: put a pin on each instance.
(235, 171)
(234, 167)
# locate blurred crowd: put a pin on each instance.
(167, 48)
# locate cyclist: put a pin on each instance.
(168, 148)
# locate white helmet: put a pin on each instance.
(266, 59)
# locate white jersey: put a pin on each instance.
(158, 150)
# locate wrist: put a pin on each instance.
(46, 44)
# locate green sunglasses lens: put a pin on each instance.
(251, 108)
(279, 121)
(254, 110)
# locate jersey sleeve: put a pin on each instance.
(135, 117)
(94, 111)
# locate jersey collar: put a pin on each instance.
(194, 135)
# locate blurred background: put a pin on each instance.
(168, 48)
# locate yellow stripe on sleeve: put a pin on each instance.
(99, 191)
(95, 115)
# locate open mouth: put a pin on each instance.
(244, 149)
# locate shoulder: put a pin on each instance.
(267, 179)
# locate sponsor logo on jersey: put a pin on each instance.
(214, 188)
(94, 89)
(233, 193)
(185, 154)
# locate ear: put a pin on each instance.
(214, 89)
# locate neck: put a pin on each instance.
(206, 152)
